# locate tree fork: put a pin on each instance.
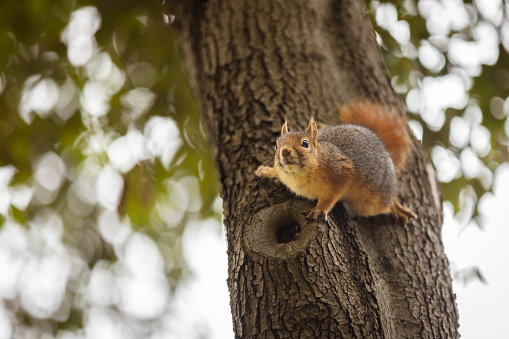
(252, 63)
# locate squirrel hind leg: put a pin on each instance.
(402, 213)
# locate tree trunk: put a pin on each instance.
(250, 65)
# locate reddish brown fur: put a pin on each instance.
(332, 169)
(386, 123)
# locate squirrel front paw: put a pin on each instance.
(265, 171)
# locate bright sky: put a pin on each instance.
(482, 307)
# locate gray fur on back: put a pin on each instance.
(365, 156)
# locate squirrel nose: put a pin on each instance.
(285, 152)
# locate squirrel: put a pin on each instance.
(357, 162)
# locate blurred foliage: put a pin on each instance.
(100, 141)
(432, 48)
(102, 151)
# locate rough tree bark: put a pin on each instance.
(252, 63)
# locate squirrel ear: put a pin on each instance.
(285, 128)
(312, 129)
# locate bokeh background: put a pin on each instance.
(110, 219)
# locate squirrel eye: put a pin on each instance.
(276, 147)
(305, 144)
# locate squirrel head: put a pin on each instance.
(297, 152)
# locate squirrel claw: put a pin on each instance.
(261, 171)
(265, 171)
(402, 213)
(315, 213)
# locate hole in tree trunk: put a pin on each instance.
(287, 233)
(281, 230)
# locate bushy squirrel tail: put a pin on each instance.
(385, 122)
